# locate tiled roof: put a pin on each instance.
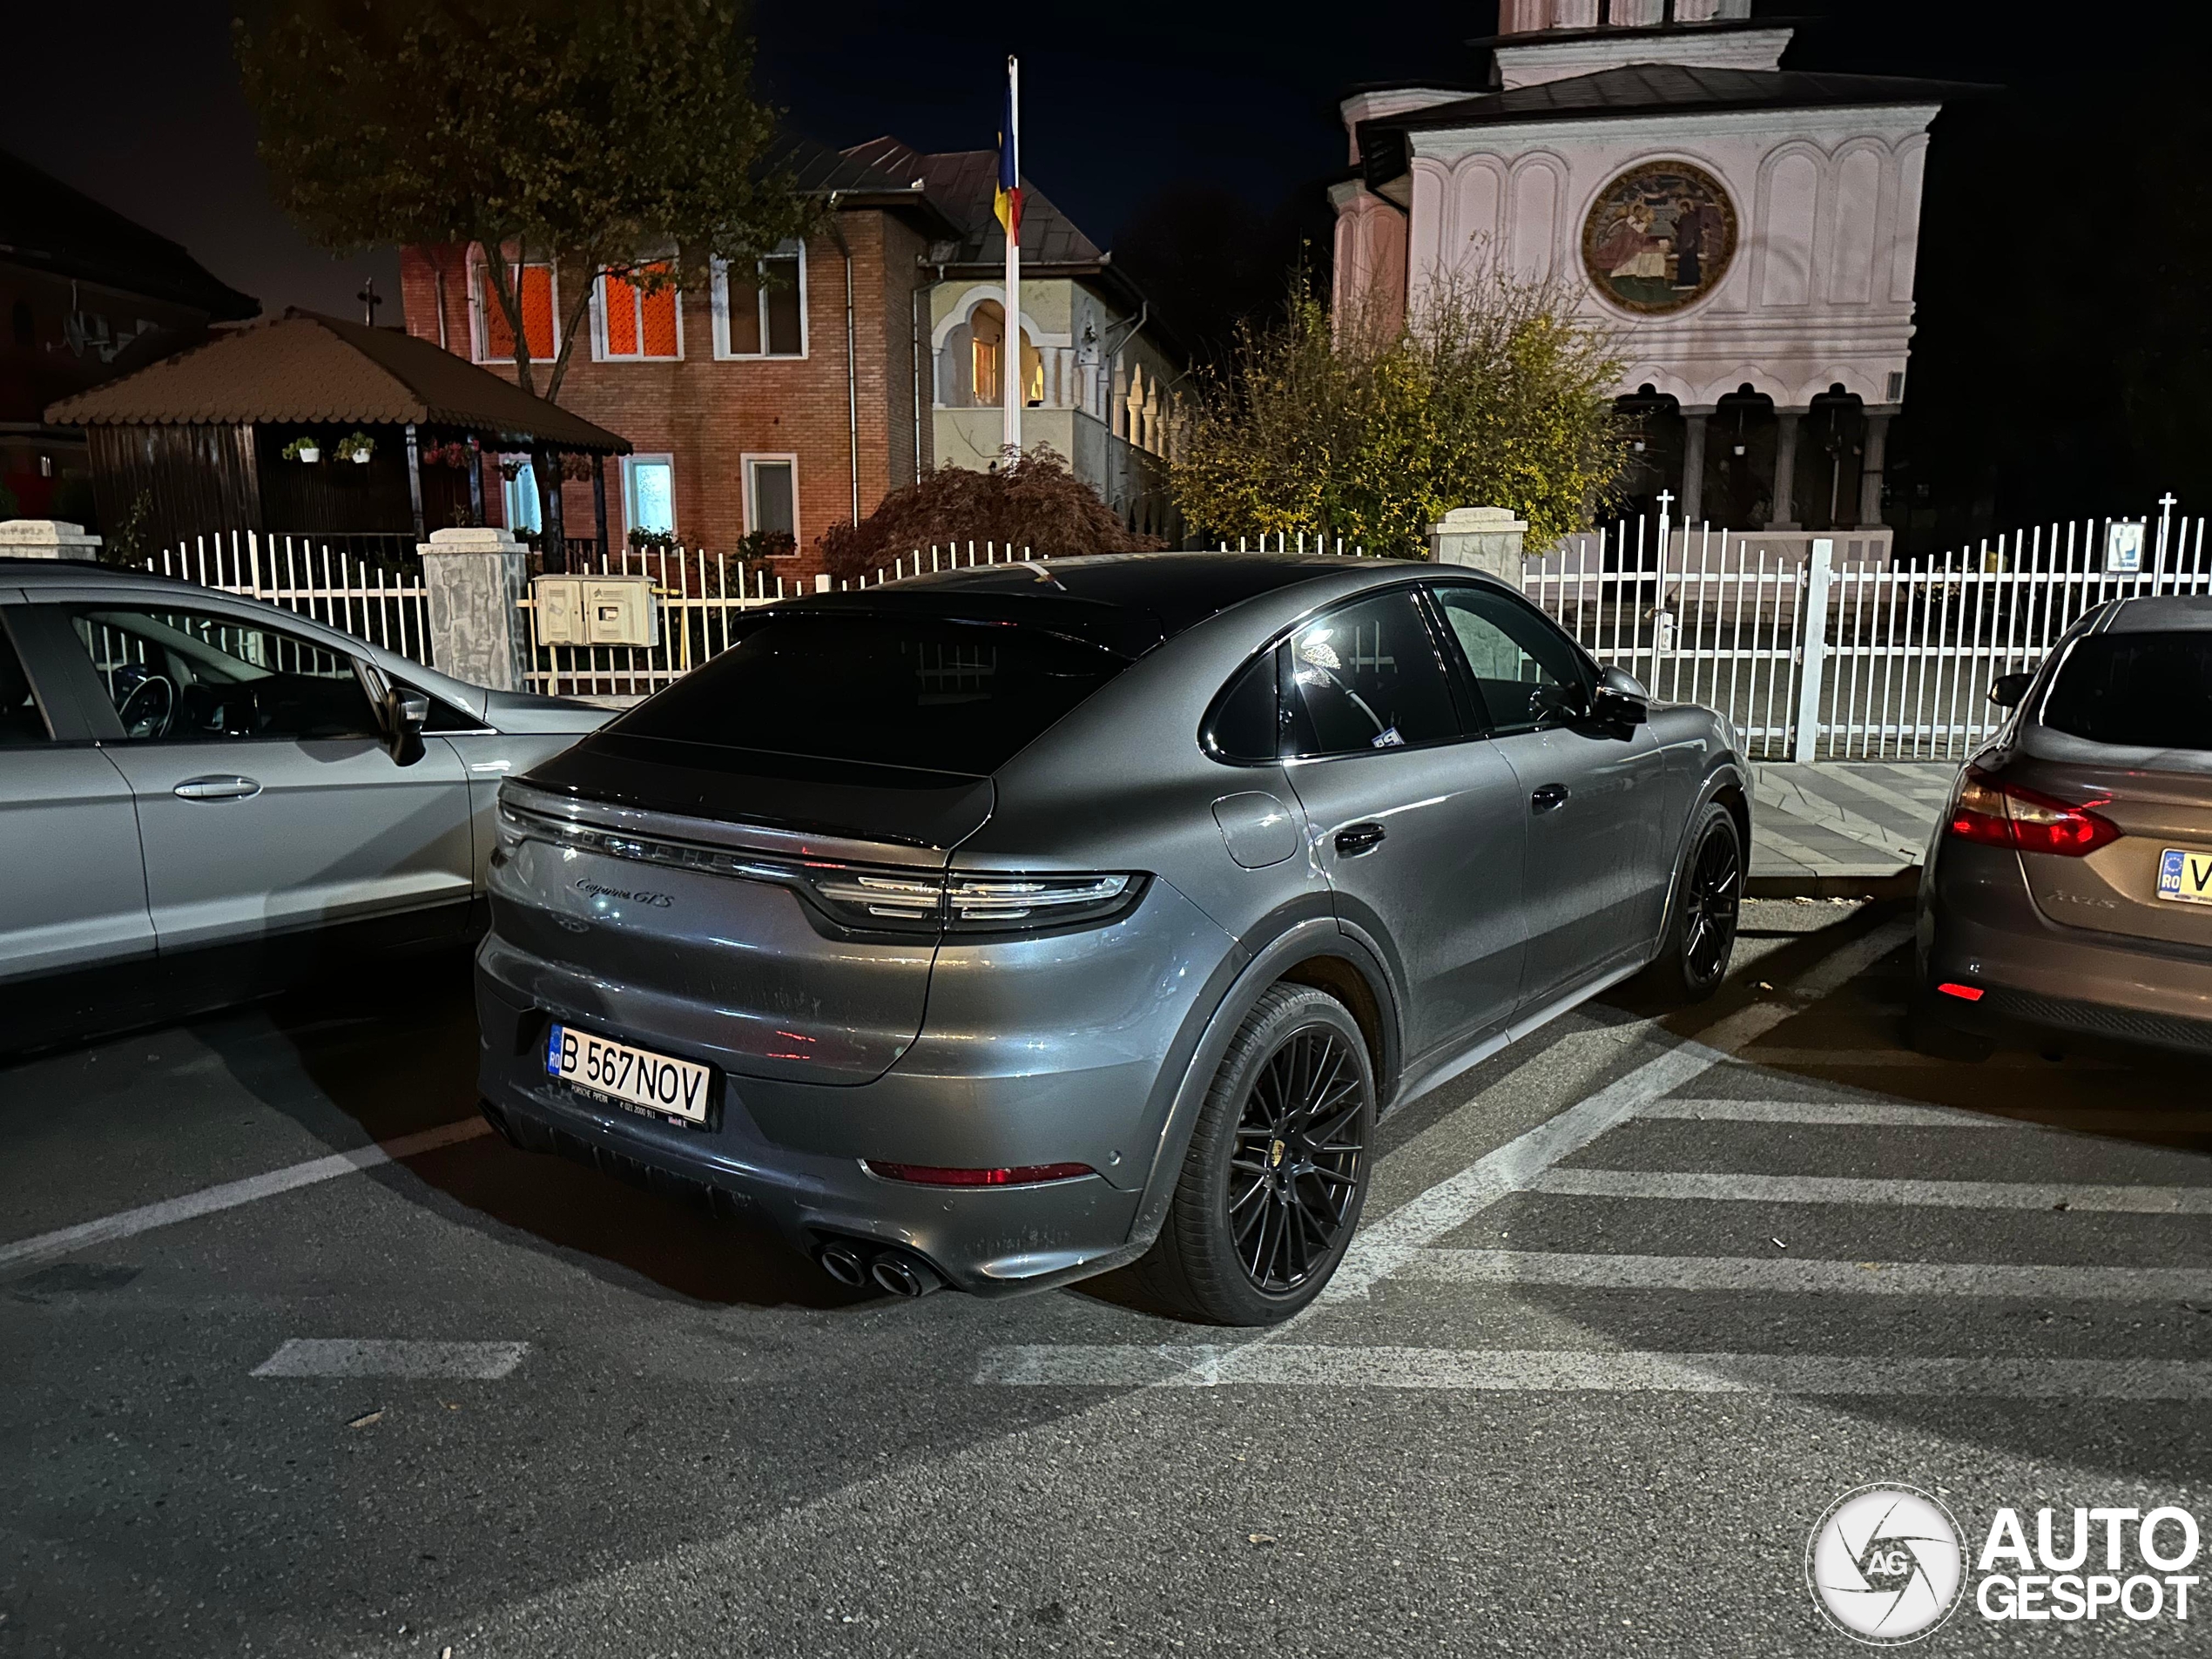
(45, 223)
(964, 183)
(305, 367)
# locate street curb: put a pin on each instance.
(1904, 884)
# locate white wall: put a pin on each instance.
(1819, 291)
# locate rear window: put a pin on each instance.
(889, 691)
(2143, 691)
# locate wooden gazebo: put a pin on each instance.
(260, 429)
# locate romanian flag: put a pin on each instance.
(1007, 202)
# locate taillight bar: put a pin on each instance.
(1987, 809)
(933, 1175)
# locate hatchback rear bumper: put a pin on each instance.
(1979, 928)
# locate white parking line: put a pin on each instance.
(1283, 1365)
(230, 1194)
(346, 1357)
(1782, 1276)
(1854, 1114)
(1452, 1202)
(1828, 1189)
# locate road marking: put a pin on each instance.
(1785, 1276)
(346, 1357)
(1453, 1200)
(1284, 1365)
(230, 1194)
(1828, 1189)
(1852, 1059)
(1854, 1114)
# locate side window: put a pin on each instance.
(1365, 678)
(1525, 669)
(187, 676)
(1245, 724)
(20, 720)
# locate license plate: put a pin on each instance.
(636, 1077)
(2185, 875)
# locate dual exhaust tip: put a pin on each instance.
(896, 1273)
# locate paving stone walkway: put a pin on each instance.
(1845, 819)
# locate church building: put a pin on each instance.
(1746, 233)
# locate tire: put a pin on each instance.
(1299, 1063)
(1702, 913)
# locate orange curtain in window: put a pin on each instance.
(537, 316)
(622, 317)
(657, 313)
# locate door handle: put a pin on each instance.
(216, 789)
(1548, 799)
(1358, 837)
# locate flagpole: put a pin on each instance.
(1011, 395)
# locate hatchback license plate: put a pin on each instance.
(2185, 875)
(637, 1077)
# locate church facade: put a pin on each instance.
(1747, 233)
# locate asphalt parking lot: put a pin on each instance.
(297, 1361)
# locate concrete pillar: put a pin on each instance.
(1871, 465)
(46, 538)
(1784, 513)
(1693, 466)
(474, 581)
(1489, 539)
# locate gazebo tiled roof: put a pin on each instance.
(304, 367)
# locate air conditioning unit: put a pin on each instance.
(595, 610)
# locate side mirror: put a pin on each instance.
(406, 712)
(1621, 699)
(2009, 689)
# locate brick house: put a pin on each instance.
(795, 396)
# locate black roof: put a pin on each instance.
(1127, 602)
(49, 225)
(965, 184)
(855, 181)
(1644, 88)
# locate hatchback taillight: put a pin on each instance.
(1989, 810)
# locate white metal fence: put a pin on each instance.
(1899, 668)
(317, 577)
(1901, 664)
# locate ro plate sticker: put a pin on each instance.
(2185, 875)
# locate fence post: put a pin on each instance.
(1486, 538)
(1812, 633)
(47, 538)
(472, 582)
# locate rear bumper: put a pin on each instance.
(1065, 1048)
(1979, 926)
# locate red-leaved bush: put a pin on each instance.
(1034, 503)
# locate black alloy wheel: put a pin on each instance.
(1301, 1142)
(1710, 904)
(1276, 1171)
(1693, 958)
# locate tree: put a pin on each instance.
(1035, 503)
(613, 137)
(1493, 393)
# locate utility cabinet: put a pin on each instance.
(595, 610)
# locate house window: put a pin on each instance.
(540, 299)
(649, 494)
(519, 495)
(986, 332)
(636, 321)
(772, 495)
(762, 313)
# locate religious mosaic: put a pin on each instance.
(1659, 236)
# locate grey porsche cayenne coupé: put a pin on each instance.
(1001, 927)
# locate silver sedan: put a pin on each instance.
(201, 796)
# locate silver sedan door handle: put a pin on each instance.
(1548, 799)
(231, 788)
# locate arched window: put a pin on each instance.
(987, 373)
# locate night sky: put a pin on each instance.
(2063, 346)
(142, 110)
